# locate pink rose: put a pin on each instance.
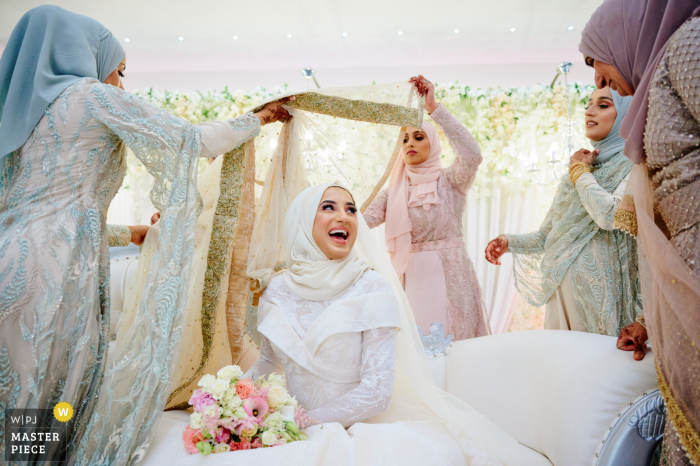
(245, 388)
(257, 443)
(190, 437)
(201, 400)
(244, 444)
(223, 435)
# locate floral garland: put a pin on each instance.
(518, 129)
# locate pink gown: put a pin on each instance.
(440, 282)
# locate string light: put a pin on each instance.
(512, 29)
(180, 38)
(400, 33)
(126, 39)
(456, 31)
(289, 36)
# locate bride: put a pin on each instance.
(338, 325)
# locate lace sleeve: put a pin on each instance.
(600, 204)
(219, 137)
(376, 212)
(118, 235)
(462, 172)
(164, 143)
(531, 243)
(373, 395)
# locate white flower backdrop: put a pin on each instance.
(521, 131)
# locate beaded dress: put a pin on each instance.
(672, 142)
(440, 281)
(54, 264)
(579, 265)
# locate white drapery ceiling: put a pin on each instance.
(541, 36)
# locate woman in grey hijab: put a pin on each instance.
(63, 135)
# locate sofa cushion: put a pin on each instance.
(555, 391)
(122, 267)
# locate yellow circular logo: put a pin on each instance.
(63, 411)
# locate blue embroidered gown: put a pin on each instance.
(54, 263)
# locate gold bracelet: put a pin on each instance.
(577, 169)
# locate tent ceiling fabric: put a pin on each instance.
(316, 26)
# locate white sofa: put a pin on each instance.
(573, 397)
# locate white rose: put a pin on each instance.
(217, 388)
(229, 372)
(278, 395)
(274, 421)
(221, 448)
(227, 412)
(228, 394)
(269, 438)
(234, 402)
(275, 379)
(196, 420)
(206, 380)
(212, 411)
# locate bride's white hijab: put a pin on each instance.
(310, 273)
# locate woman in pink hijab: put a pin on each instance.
(423, 208)
(651, 50)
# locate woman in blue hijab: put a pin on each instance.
(63, 135)
(577, 263)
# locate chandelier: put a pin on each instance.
(557, 167)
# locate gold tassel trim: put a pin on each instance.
(625, 221)
(690, 440)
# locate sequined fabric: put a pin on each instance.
(577, 239)
(672, 140)
(466, 316)
(118, 235)
(361, 110)
(54, 266)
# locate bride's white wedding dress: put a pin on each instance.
(339, 362)
(325, 347)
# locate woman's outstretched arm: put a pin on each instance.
(462, 172)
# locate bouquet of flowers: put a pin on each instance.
(231, 413)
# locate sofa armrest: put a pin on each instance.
(557, 392)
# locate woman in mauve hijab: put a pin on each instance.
(651, 51)
(422, 209)
(65, 123)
